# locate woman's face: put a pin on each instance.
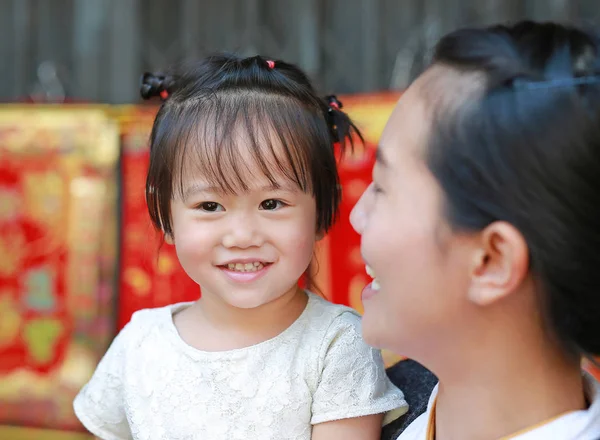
(421, 267)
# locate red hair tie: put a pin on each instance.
(271, 64)
(333, 102)
(164, 94)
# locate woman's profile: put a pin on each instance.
(481, 230)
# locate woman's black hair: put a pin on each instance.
(270, 105)
(525, 149)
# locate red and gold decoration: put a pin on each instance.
(59, 224)
(150, 274)
(57, 258)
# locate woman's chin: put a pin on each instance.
(372, 331)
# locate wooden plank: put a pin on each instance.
(89, 29)
(125, 53)
(191, 32)
(555, 10)
(308, 35)
(490, 12)
(371, 44)
(402, 42)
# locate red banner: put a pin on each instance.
(150, 274)
(57, 258)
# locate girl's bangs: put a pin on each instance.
(227, 139)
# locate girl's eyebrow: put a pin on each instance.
(200, 187)
(279, 187)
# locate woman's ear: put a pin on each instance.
(500, 264)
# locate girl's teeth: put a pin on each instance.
(375, 284)
(245, 267)
(370, 271)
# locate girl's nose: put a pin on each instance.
(243, 233)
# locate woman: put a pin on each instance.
(481, 229)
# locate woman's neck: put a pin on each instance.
(505, 388)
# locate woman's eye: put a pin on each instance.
(271, 204)
(210, 207)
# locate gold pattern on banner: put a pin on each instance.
(10, 205)
(12, 252)
(11, 321)
(84, 239)
(165, 266)
(138, 279)
(41, 336)
(44, 197)
(66, 130)
(59, 249)
(370, 113)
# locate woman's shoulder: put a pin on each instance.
(417, 383)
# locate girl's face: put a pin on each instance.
(421, 267)
(245, 249)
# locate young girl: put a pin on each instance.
(243, 182)
(481, 228)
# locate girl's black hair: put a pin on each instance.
(526, 150)
(210, 107)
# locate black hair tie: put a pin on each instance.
(152, 85)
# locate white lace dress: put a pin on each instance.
(152, 385)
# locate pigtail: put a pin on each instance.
(343, 131)
(156, 84)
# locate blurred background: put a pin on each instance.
(95, 50)
(77, 252)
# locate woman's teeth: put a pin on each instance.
(245, 267)
(371, 273)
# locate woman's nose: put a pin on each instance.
(359, 214)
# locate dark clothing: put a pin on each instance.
(417, 383)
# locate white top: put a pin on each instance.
(152, 385)
(575, 425)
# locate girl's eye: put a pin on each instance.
(210, 207)
(271, 205)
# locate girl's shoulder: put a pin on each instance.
(146, 322)
(327, 322)
(324, 320)
(317, 305)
